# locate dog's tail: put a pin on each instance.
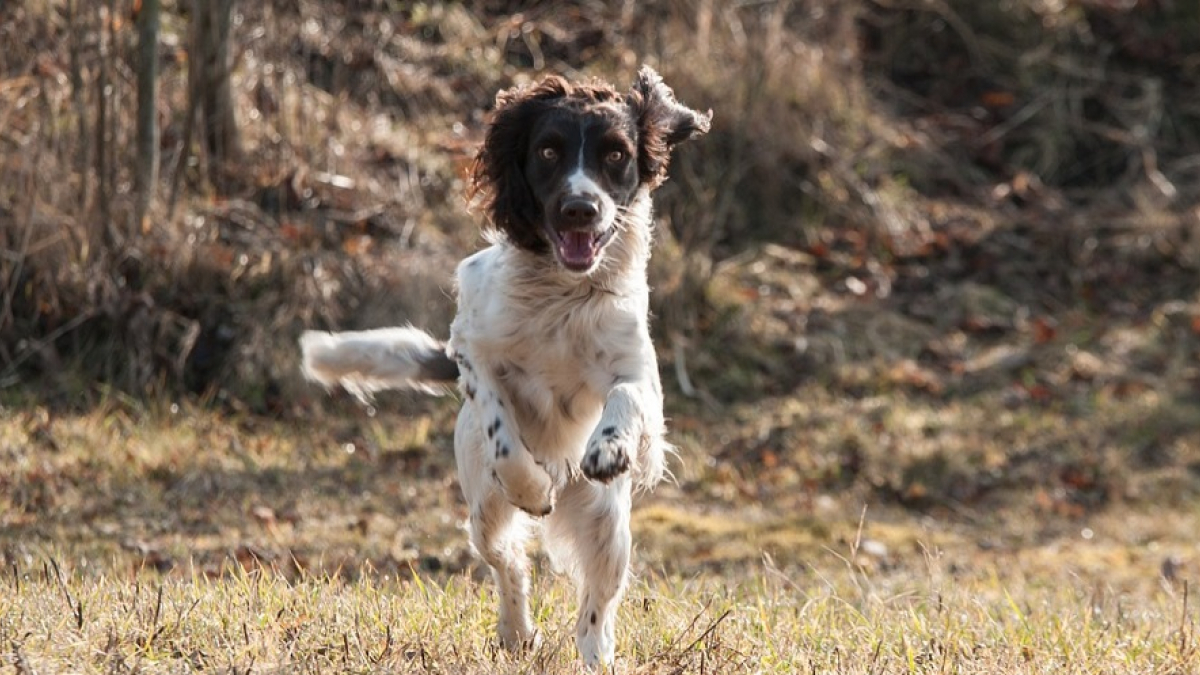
(364, 362)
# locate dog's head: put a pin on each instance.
(561, 161)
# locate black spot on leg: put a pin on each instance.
(470, 390)
(493, 429)
(608, 431)
(593, 617)
(502, 451)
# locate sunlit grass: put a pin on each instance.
(55, 618)
(138, 541)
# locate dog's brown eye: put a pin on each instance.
(615, 157)
(547, 153)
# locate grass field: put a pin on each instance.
(180, 540)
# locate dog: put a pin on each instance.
(562, 414)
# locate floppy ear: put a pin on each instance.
(662, 123)
(499, 172)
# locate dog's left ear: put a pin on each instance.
(662, 124)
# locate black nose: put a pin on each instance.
(580, 211)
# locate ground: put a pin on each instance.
(177, 539)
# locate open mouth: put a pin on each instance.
(578, 249)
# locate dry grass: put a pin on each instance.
(177, 539)
(57, 620)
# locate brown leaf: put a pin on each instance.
(997, 99)
(769, 459)
(1040, 393)
(1077, 477)
(358, 245)
(1044, 330)
(1043, 499)
(915, 491)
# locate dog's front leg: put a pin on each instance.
(524, 482)
(629, 412)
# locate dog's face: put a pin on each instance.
(561, 161)
(580, 167)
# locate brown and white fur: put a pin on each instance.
(551, 347)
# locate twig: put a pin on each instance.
(708, 631)
(12, 282)
(681, 373)
(1023, 115)
(858, 533)
(684, 631)
(7, 378)
(189, 118)
(19, 664)
(76, 606)
(1183, 624)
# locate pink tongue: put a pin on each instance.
(577, 246)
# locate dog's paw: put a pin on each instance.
(519, 639)
(608, 453)
(527, 487)
(597, 644)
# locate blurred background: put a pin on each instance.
(938, 256)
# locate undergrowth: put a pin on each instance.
(906, 136)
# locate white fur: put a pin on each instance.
(561, 419)
(364, 362)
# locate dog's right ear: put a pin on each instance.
(499, 173)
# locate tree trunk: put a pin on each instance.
(102, 108)
(82, 165)
(213, 20)
(147, 113)
(107, 236)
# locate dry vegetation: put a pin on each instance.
(936, 259)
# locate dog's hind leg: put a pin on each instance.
(590, 535)
(510, 465)
(498, 534)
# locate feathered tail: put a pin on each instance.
(364, 362)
